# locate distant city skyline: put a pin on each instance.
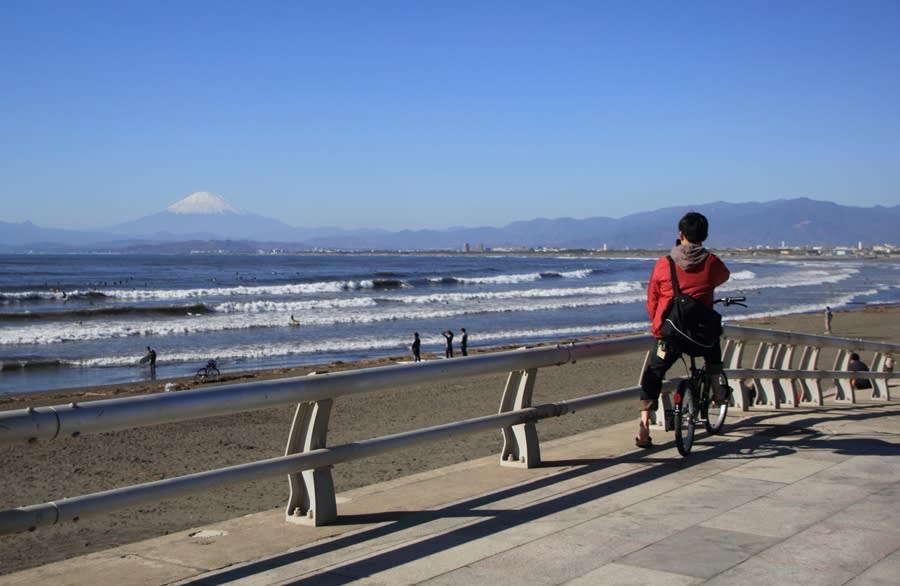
(409, 115)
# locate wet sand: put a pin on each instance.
(45, 471)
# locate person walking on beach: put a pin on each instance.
(448, 335)
(698, 272)
(416, 348)
(464, 342)
(828, 316)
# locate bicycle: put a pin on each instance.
(692, 400)
(210, 371)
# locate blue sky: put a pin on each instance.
(433, 114)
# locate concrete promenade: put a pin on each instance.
(805, 496)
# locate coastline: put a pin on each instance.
(93, 336)
(811, 323)
(51, 470)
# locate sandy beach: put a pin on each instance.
(68, 467)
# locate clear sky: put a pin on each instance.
(442, 113)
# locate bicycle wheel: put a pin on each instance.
(715, 416)
(201, 374)
(685, 417)
(212, 372)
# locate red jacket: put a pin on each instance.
(704, 272)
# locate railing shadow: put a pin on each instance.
(768, 438)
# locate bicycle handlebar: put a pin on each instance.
(726, 301)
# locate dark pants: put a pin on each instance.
(664, 356)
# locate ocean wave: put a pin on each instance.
(500, 279)
(224, 320)
(105, 312)
(283, 307)
(835, 302)
(284, 290)
(744, 275)
(10, 364)
(789, 280)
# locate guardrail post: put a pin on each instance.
(810, 388)
(521, 447)
(766, 393)
(880, 388)
(732, 354)
(312, 500)
(790, 387)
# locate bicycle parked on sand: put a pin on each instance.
(693, 401)
(208, 372)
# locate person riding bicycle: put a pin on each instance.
(699, 272)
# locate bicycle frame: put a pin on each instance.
(692, 400)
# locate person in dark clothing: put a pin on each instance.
(699, 272)
(416, 347)
(152, 354)
(464, 342)
(448, 335)
(857, 365)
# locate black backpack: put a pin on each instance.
(688, 323)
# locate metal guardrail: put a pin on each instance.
(771, 380)
(784, 367)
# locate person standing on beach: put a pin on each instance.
(448, 335)
(698, 272)
(828, 316)
(464, 342)
(152, 354)
(416, 348)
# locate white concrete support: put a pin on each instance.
(312, 500)
(790, 387)
(521, 447)
(881, 391)
(732, 357)
(810, 388)
(768, 391)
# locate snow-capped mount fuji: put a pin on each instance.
(202, 202)
(206, 216)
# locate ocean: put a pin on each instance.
(76, 320)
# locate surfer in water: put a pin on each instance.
(151, 354)
(294, 322)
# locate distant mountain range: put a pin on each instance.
(202, 218)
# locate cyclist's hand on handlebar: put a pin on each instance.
(732, 301)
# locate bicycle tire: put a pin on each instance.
(715, 418)
(212, 372)
(685, 417)
(201, 373)
(713, 415)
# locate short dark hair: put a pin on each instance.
(854, 356)
(694, 226)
